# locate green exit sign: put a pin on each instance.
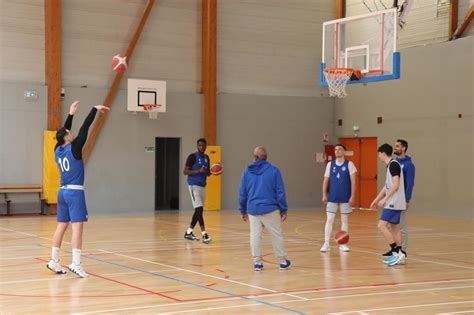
(30, 94)
(149, 149)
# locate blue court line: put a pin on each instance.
(189, 283)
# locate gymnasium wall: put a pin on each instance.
(268, 92)
(422, 107)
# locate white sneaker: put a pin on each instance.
(403, 260)
(325, 248)
(78, 270)
(344, 247)
(397, 257)
(55, 267)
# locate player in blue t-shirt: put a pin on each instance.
(197, 168)
(338, 193)
(71, 199)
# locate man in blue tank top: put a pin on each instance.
(197, 168)
(71, 199)
(338, 193)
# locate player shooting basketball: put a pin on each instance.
(71, 198)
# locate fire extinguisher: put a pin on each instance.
(328, 152)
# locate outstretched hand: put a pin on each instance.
(73, 108)
(101, 108)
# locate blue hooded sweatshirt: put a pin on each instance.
(262, 190)
(409, 176)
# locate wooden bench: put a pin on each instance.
(8, 190)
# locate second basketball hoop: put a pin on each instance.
(152, 110)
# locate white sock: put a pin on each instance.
(76, 256)
(55, 253)
(328, 227)
(345, 222)
(189, 230)
(204, 232)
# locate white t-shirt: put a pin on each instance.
(352, 168)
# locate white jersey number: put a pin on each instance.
(64, 164)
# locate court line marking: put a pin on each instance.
(406, 306)
(195, 284)
(357, 249)
(282, 302)
(188, 282)
(201, 274)
(32, 235)
(127, 285)
(64, 278)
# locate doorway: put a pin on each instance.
(363, 153)
(167, 157)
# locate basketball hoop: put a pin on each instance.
(152, 109)
(337, 79)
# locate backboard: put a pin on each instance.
(365, 42)
(144, 92)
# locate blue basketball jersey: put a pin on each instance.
(339, 183)
(201, 178)
(72, 170)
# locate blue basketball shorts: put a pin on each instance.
(391, 216)
(72, 206)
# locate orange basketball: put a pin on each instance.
(119, 63)
(216, 169)
(341, 237)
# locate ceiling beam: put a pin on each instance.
(453, 18)
(52, 20)
(340, 9)
(116, 83)
(467, 19)
(209, 68)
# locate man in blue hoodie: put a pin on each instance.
(400, 148)
(262, 201)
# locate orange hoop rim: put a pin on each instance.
(150, 107)
(339, 70)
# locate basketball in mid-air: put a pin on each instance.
(119, 63)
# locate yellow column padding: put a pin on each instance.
(51, 174)
(213, 188)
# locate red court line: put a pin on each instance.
(71, 296)
(366, 286)
(136, 287)
(128, 285)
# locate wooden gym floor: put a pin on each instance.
(143, 265)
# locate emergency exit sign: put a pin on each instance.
(30, 94)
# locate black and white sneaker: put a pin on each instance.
(386, 256)
(78, 270)
(55, 267)
(190, 236)
(206, 239)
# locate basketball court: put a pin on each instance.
(297, 77)
(144, 266)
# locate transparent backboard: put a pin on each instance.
(367, 43)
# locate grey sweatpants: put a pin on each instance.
(272, 222)
(404, 230)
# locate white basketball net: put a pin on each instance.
(152, 110)
(337, 79)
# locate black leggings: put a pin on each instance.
(198, 217)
